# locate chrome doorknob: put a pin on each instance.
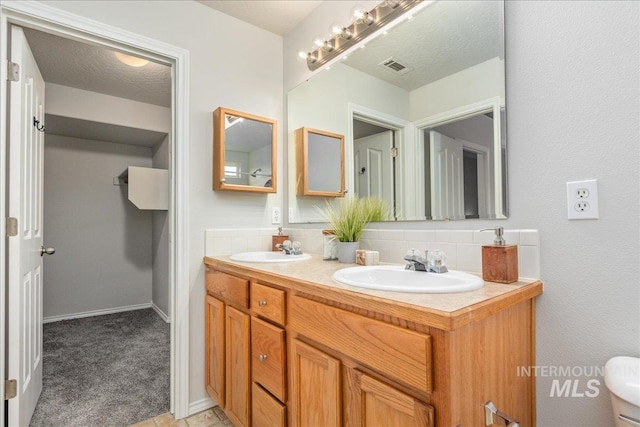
(48, 251)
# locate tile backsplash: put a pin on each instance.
(462, 247)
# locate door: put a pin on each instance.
(214, 349)
(447, 181)
(374, 172)
(316, 397)
(24, 322)
(238, 367)
(367, 401)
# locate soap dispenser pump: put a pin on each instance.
(278, 240)
(499, 261)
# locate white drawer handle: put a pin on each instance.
(262, 357)
(262, 303)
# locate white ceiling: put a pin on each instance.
(442, 39)
(83, 66)
(278, 17)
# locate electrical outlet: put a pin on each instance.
(275, 215)
(582, 199)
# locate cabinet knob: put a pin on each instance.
(262, 303)
(262, 357)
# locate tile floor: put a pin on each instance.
(213, 417)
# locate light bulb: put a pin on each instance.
(318, 41)
(132, 61)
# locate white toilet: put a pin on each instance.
(622, 377)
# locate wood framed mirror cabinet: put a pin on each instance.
(244, 152)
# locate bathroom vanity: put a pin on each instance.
(286, 345)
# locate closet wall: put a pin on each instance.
(103, 258)
(110, 255)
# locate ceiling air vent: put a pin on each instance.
(395, 65)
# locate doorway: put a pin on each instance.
(42, 17)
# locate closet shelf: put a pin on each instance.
(148, 188)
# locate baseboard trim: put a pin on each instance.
(161, 313)
(201, 405)
(96, 312)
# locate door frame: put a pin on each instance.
(56, 21)
(403, 132)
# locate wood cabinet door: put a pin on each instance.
(371, 403)
(238, 378)
(316, 399)
(214, 349)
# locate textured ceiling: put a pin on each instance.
(279, 17)
(442, 39)
(83, 66)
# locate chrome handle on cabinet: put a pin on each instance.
(629, 420)
(262, 303)
(494, 417)
(48, 251)
(262, 357)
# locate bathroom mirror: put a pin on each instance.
(441, 72)
(244, 152)
(319, 163)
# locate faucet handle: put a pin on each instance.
(414, 255)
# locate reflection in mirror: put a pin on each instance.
(244, 152)
(324, 175)
(444, 65)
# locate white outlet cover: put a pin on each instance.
(275, 215)
(581, 194)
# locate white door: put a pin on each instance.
(447, 179)
(24, 322)
(373, 169)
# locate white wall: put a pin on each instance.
(323, 103)
(458, 89)
(573, 113)
(160, 244)
(84, 105)
(232, 64)
(93, 227)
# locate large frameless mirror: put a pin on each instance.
(422, 108)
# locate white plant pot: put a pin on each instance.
(347, 252)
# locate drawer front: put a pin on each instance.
(395, 352)
(268, 302)
(229, 288)
(268, 357)
(266, 411)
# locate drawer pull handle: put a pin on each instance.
(262, 357)
(262, 303)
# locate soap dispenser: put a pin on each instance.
(499, 261)
(278, 239)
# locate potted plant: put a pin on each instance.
(348, 220)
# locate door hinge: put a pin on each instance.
(394, 152)
(12, 226)
(13, 71)
(10, 389)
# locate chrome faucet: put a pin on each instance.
(289, 248)
(428, 264)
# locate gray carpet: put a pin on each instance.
(101, 371)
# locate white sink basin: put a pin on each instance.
(397, 279)
(267, 256)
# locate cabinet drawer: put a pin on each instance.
(229, 288)
(268, 302)
(267, 411)
(395, 352)
(268, 357)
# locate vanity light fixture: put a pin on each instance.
(366, 22)
(132, 61)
